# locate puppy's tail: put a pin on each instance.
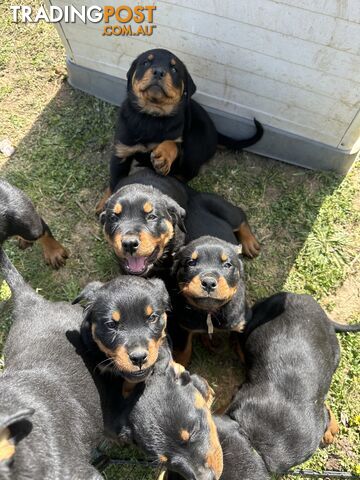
(11, 275)
(233, 144)
(339, 327)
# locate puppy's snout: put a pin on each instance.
(209, 284)
(130, 244)
(158, 73)
(138, 357)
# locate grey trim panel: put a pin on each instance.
(277, 144)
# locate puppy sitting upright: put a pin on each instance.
(208, 271)
(159, 119)
(124, 324)
(50, 408)
(19, 217)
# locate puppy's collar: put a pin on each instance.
(210, 325)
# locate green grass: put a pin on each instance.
(308, 222)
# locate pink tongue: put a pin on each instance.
(136, 264)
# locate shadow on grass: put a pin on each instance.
(62, 164)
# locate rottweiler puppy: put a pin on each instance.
(291, 353)
(209, 293)
(208, 271)
(19, 217)
(144, 222)
(50, 403)
(168, 417)
(160, 122)
(124, 324)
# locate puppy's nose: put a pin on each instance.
(158, 72)
(209, 284)
(130, 244)
(138, 357)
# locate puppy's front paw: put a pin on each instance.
(100, 206)
(163, 156)
(251, 247)
(54, 253)
(332, 428)
(23, 244)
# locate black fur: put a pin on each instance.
(19, 217)
(48, 394)
(187, 317)
(136, 332)
(168, 197)
(291, 352)
(156, 413)
(187, 120)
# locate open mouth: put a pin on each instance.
(140, 265)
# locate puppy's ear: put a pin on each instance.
(130, 74)
(177, 213)
(184, 378)
(204, 388)
(159, 284)
(13, 428)
(176, 261)
(89, 293)
(238, 251)
(190, 87)
(102, 217)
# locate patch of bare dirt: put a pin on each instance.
(344, 304)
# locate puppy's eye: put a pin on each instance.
(111, 324)
(227, 265)
(191, 263)
(154, 317)
(151, 216)
(146, 63)
(174, 69)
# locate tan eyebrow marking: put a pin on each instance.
(118, 208)
(224, 257)
(148, 310)
(150, 57)
(173, 61)
(194, 255)
(148, 207)
(184, 435)
(116, 315)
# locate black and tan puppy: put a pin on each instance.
(144, 222)
(168, 417)
(291, 353)
(278, 418)
(208, 271)
(50, 408)
(209, 293)
(124, 324)
(159, 121)
(19, 217)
